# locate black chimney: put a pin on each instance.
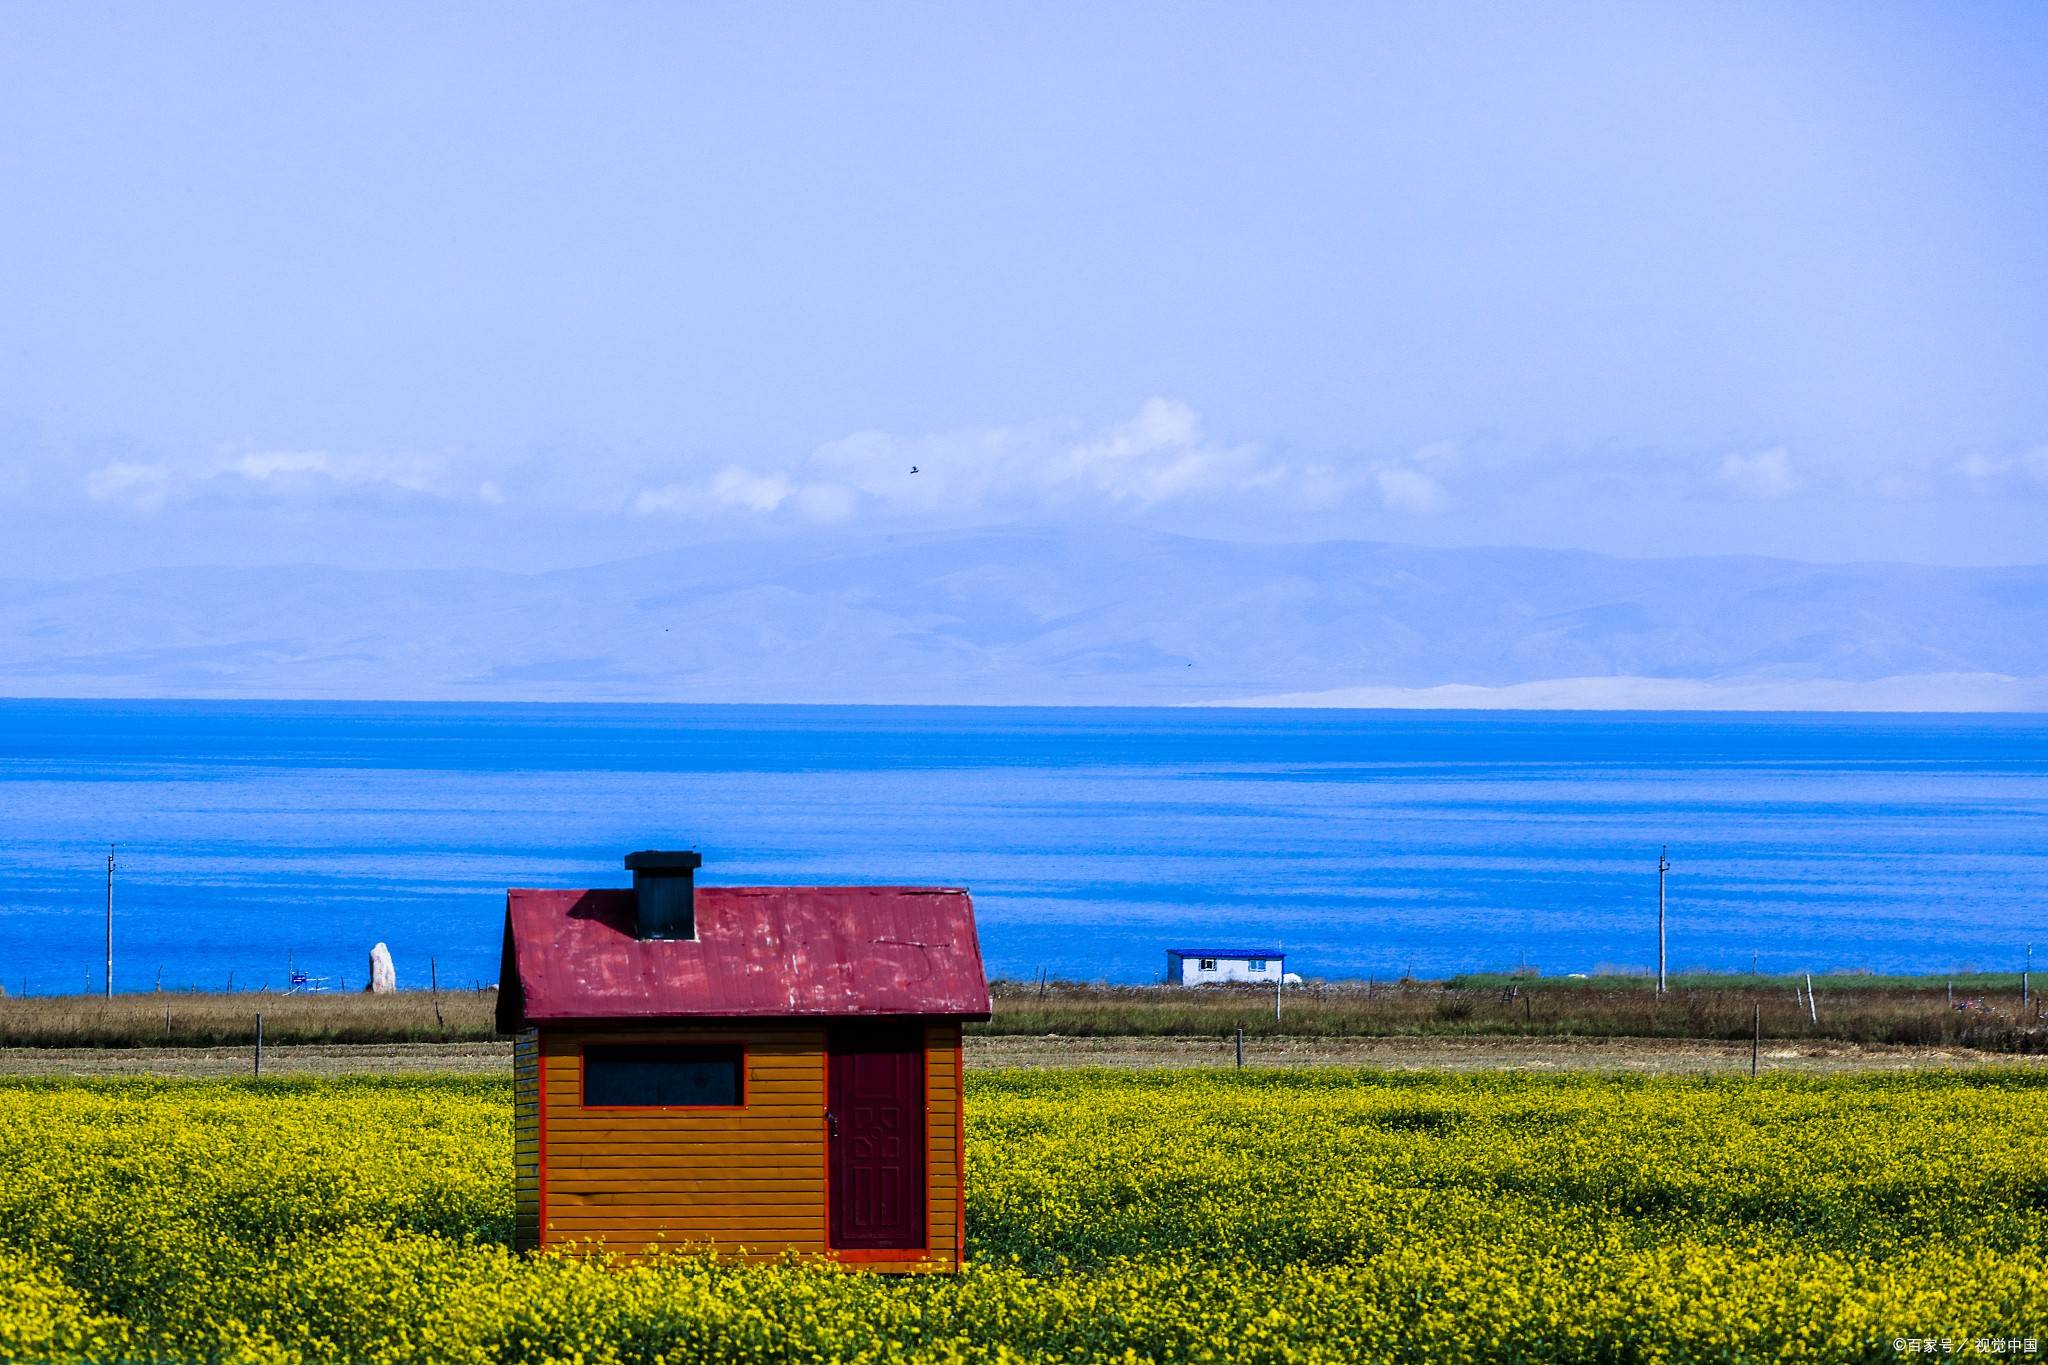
(665, 884)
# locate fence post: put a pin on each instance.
(259, 1045)
(1812, 1010)
(1756, 1040)
(1240, 1047)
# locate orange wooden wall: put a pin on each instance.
(752, 1177)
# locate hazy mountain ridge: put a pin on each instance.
(1020, 616)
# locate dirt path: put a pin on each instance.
(1642, 1055)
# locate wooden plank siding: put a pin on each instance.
(526, 1140)
(942, 1142)
(751, 1179)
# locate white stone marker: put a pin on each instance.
(383, 976)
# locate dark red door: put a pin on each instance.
(875, 1137)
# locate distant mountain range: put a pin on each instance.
(1061, 618)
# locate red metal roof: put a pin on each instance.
(760, 952)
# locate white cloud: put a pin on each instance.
(1766, 474)
(291, 475)
(731, 488)
(736, 487)
(1324, 485)
(825, 502)
(670, 497)
(2026, 471)
(1408, 490)
(274, 464)
(1438, 457)
(143, 486)
(1415, 483)
(1160, 455)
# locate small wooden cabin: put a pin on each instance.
(758, 1068)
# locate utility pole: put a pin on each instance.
(110, 922)
(1663, 866)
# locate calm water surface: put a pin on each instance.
(1363, 842)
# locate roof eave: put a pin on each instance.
(595, 1020)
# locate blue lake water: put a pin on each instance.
(253, 834)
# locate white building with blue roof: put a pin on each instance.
(1201, 966)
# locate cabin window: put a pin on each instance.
(1258, 964)
(661, 1076)
(1208, 964)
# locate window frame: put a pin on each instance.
(1258, 964)
(736, 1052)
(1205, 964)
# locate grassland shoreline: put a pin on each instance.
(1637, 1056)
(1993, 1014)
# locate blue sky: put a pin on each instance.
(521, 285)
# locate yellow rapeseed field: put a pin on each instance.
(1270, 1216)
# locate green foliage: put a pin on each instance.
(1198, 1216)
